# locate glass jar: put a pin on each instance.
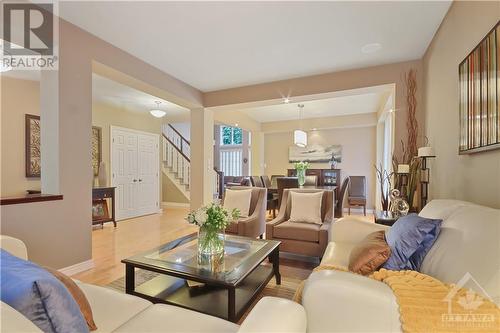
(301, 176)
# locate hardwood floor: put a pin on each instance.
(110, 245)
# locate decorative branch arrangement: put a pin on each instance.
(384, 178)
(411, 121)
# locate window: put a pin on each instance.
(231, 135)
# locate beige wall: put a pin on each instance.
(104, 116)
(332, 82)
(19, 97)
(473, 177)
(58, 233)
(358, 153)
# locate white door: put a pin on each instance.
(135, 172)
(147, 174)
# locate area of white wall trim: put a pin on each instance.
(77, 268)
(168, 204)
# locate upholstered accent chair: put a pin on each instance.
(357, 193)
(284, 183)
(342, 199)
(255, 224)
(302, 238)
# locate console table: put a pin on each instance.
(102, 193)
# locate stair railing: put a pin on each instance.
(176, 156)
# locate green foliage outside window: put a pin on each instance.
(237, 136)
(232, 135)
(226, 135)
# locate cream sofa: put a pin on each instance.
(469, 242)
(117, 312)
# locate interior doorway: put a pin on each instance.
(135, 172)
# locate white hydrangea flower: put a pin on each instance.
(190, 218)
(201, 216)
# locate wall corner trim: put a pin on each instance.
(168, 204)
(77, 268)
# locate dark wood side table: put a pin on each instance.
(385, 218)
(100, 193)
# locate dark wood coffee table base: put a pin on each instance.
(225, 302)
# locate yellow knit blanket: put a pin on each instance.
(428, 305)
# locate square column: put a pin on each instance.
(202, 151)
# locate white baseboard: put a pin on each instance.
(77, 268)
(359, 210)
(168, 204)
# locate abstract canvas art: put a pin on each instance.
(315, 154)
(32, 146)
(479, 85)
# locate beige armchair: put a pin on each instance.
(255, 224)
(302, 238)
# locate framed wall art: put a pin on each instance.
(479, 86)
(315, 154)
(100, 210)
(32, 146)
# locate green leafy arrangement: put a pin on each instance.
(301, 165)
(213, 217)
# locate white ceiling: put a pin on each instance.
(124, 97)
(217, 45)
(330, 107)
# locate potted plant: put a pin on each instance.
(212, 220)
(300, 168)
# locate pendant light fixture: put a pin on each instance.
(157, 112)
(299, 136)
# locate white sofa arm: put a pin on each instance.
(341, 302)
(352, 230)
(14, 246)
(272, 314)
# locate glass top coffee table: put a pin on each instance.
(224, 289)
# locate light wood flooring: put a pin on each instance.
(110, 245)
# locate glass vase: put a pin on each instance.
(210, 246)
(301, 176)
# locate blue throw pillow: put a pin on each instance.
(39, 296)
(410, 238)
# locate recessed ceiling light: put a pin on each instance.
(371, 48)
(286, 100)
(314, 128)
(236, 125)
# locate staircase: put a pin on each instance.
(177, 164)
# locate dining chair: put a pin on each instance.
(274, 184)
(357, 193)
(284, 183)
(311, 180)
(256, 181)
(339, 207)
(272, 197)
(266, 181)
